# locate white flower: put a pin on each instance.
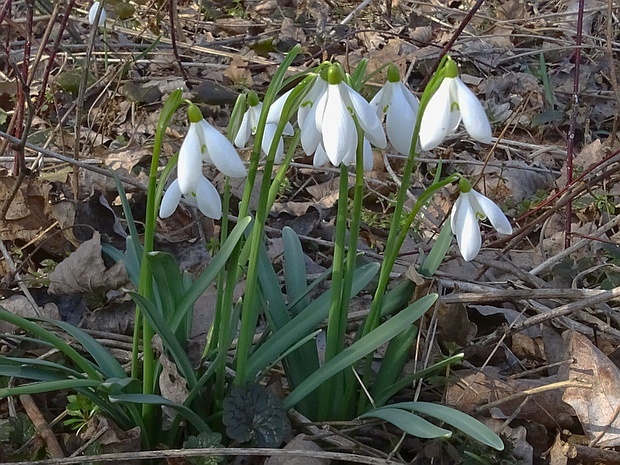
(401, 108)
(249, 125)
(329, 122)
(92, 14)
(310, 136)
(451, 103)
(205, 197)
(468, 209)
(203, 143)
(321, 158)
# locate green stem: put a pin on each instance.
(249, 315)
(331, 390)
(145, 287)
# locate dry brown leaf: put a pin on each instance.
(239, 73)
(472, 389)
(597, 408)
(21, 306)
(172, 386)
(84, 271)
(299, 443)
(111, 439)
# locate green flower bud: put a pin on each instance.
(194, 114)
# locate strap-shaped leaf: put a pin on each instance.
(409, 423)
(459, 420)
(361, 348)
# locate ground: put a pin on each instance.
(535, 313)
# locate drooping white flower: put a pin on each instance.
(310, 136)
(329, 122)
(205, 197)
(452, 102)
(400, 107)
(203, 143)
(249, 125)
(321, 158)
(468, 209)
(92, 14)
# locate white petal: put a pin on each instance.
(314, 94)
(275, 110)
(189, 168)
(401, 119)
(437, 119)
(171, 199)
(465, 227)
(488, 208)
(254, 113)
(366, 116)
(221, 152)
(337, 127)
(288, 130)
(320, 157)
(310, 135)
(270, 130)
(245, 131)
(474, 117)
(368, 157)
(208, 199)
(92, 14)
(381, 101)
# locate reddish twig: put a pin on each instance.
(571, 129)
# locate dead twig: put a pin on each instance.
(44, 430)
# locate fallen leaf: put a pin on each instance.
(21, 306)
(597, 408)
(84, 271)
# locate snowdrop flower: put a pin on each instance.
(400, 107)
(468, 209)
(92, 14)
(321, 158)
(451, 103)
(203, 143)
(329, 122)
(249, 125)
(205, 197)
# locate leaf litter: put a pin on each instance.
(518, 381)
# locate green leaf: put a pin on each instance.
(52, 339)
(303, 324)
(153, 399)
(409, 423)
(362, 347)
(170, 342)
(210, 273)
(295, 271)
(204, 440)
(47, 368)
(438, 252)
(383, 396)
(48, 386)
(106, 363)
(253, 414)
(457, 419)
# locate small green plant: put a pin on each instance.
(81, 409)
